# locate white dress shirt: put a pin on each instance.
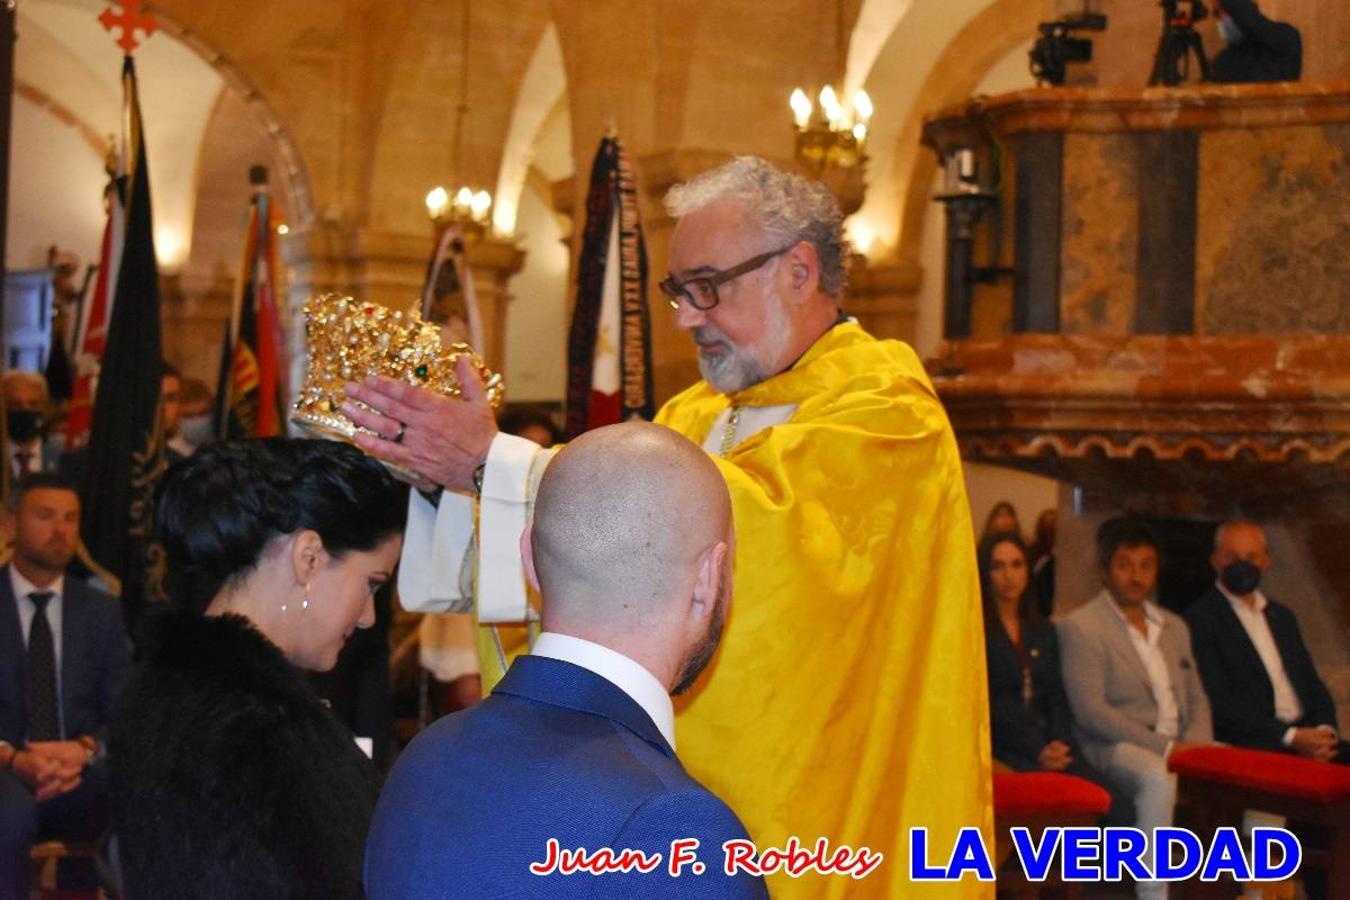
(1288, 709)
(1160, 680)
(624, 673)
(27, 610)
(35, 461)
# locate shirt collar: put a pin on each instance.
(23, 587)
(1238, 604)
(624, 673)
(1152, 614)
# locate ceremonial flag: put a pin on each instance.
(59, 383)
(126, 444)
(251, 399)
(91, 328)
(448, 296)
(609, 373)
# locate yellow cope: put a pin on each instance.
(848, 699)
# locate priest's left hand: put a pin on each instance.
(442, 439)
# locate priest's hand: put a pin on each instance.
(442, 439)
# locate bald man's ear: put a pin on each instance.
(708, 583)
(527, 556)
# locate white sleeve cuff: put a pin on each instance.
(435, 544)
(1288, 739)
(502, 515)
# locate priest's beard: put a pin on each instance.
(701, 655)
(736, 368)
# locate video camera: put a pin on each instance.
(1057, 47)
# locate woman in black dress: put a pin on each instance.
(1030, 712)
(230, 779)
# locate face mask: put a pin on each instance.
(1241, 577)
(1229, 30)
(198, 430)
(23, 424)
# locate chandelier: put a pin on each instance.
(830, 135)
(467, 208)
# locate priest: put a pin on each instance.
(849, 702)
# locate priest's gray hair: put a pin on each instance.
(787, 207)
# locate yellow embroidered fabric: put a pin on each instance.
(848, 698)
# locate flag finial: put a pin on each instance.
(130, 20)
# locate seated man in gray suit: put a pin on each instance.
(1132, 685)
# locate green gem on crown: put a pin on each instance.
(420, 372)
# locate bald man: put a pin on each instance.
(631, 553)
(1263, 687)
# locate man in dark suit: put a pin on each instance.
(63, 653)
(1258, 49)
(1262, 683)
(576, 745)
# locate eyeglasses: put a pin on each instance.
(700, 292)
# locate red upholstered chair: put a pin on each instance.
(1037, 800)
(1217, 784)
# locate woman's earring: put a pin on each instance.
(304, 604)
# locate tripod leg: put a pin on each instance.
(1199, 46)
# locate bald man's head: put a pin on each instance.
(623, 518)
(1240, 540)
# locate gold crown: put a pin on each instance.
(349, 340)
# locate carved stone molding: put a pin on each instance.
(1091, 408)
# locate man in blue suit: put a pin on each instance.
(630, 551)
(63, 653)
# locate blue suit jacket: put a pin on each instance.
(555, 752)
(94, 657)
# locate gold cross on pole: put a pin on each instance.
(130, 19)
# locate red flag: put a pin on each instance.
(91, 331)
(251, 400)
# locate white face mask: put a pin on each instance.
(1229, 30)
(198, 430)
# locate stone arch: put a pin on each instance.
(300, 194)
(913, 77)
(416, 127)
(542, 91)
(981, 44)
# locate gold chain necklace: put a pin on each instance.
(729, 434)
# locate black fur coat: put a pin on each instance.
(230, 780)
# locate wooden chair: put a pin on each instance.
(1218, 784)
(1036, 801)
(45, 858)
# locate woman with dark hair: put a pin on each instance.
(1029, 710)
(1002, 519)
(230, 779)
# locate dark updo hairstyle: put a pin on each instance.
(217, 510)
(1026, 606)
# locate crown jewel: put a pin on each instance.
(349, 340)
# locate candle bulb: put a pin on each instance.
(801, 108)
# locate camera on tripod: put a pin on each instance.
(1184, 13)
(1057, 46)
(1179, 41)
